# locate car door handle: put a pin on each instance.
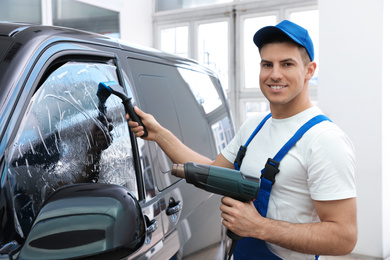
(152, 225)
(173, 207)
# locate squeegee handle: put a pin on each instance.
(130, 110)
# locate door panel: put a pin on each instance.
(174, 97)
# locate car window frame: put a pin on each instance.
(52, 58)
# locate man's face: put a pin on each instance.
(283, 76)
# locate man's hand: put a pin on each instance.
(149, 122)
(240, 217)
(335, 234)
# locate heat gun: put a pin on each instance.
(105, 89)
(219, 180)
(222, 181)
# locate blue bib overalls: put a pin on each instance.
(249, 248)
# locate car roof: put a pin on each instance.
(17, 31)
(31, 37)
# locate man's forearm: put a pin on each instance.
(323, 238)
(336, 234)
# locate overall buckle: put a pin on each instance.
(240, 156)
(270, 170)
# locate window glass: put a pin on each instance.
(223, 133)
(251, 53)
(252, 108)
(74, 14)
(164, 5)
(213, 49)
(203, 89)
(147, 164)
(69, 136)
(158, 101)
(205, 93)
(21, 11)
(310, 21)
(175, 40)
(179, 99)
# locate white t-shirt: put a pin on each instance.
(320, 166)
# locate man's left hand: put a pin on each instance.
(240, 217)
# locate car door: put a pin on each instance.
(173, 97)
(64, 134)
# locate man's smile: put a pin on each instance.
(276, 87)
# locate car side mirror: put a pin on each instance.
(86, 221)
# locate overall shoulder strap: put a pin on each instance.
(272, 166)
(241, 152)
(298, 134)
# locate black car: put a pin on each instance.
(75, 182)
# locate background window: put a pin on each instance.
(223, 133)
(21, 11)
(175, 40)
(226, 46)
(164, 5)
(213, 48)
(255, 107)
(71, 13)
(310, 21)
(251, 53)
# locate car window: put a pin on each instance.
(159, 102)
(202, 88)
(223, 133)
(67, 137)
(214, 115)
(187, 103)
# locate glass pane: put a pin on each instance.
(203, 89)
(147, 164)
(251, 53)
(310, 21)
(213, 49)
(223, 133)
(21, 11)
(73, 14)
(69, 135)
(164, 5)
(175, 40)
(254, 108)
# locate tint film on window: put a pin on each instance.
(67, 137)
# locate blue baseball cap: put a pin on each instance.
(297, 33)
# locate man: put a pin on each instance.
(312, 206)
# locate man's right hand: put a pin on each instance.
(149, 122)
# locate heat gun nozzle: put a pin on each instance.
(178, 170)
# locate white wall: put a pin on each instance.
(386, 128)
(352, 91)
(136, 22)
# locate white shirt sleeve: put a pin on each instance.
(332, 166)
